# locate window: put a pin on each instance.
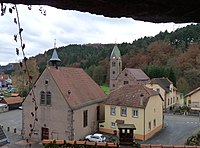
(126, 74)
(168, 101)
(46, 81)
(113, 72)
(48, 98)
(113, 64)
(157, 89)
(42, 97)
(85, 118)
(135, 113)
(125, 82)
(149, 125)
(123, 112)
(171, 100)
(154, 122)
(113, 124)
(112, 110)
(113, 85)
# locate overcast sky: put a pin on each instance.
(68, 27)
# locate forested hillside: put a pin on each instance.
(175, 55)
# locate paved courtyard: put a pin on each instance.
(177, 129)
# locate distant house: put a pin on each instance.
(3, 107)
(5, 81)
(69, 104)
(167, 90)
(119, 78)
(12, 102)
(193, 99)
(134, 104)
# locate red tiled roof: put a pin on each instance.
(13, 100)
(130, 96)
(76, 86)
(138, 74)
(14, 95)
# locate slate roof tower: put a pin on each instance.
(115, 66)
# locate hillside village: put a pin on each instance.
(65, 101)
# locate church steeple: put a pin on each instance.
(54, 58)
(115, 66)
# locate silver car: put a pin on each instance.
(96, 138)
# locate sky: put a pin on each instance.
(68, 27)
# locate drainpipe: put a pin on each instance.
(144, 124)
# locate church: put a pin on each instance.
(119, 77)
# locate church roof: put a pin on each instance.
(116, 51)
(77, 86)
(138, 74)
(55, 56)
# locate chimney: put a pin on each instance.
(141, 99)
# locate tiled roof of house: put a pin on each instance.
(138, 74)
(192, 92)
(77, 86)
(163, 82)
(13, 100)
(130, 96)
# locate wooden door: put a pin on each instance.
(45, 133)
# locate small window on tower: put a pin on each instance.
(113, 64)
(126, 74)
(113, 85)
(125, 82)
(113, 72)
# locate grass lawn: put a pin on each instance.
(106, 89)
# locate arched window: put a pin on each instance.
(42, 97)
(48, 97)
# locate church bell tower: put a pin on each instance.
(115, 66)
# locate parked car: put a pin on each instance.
(96, 138)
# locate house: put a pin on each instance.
(134, 104)
(119, 78)
(193, 99)
(69, 104)
(13, 102)
(5, 81)
(3, 107)
(167, 90)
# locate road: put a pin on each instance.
(177, 129)
(12, 119)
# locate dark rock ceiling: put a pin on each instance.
(158, 11)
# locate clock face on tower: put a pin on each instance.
(113, 57)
